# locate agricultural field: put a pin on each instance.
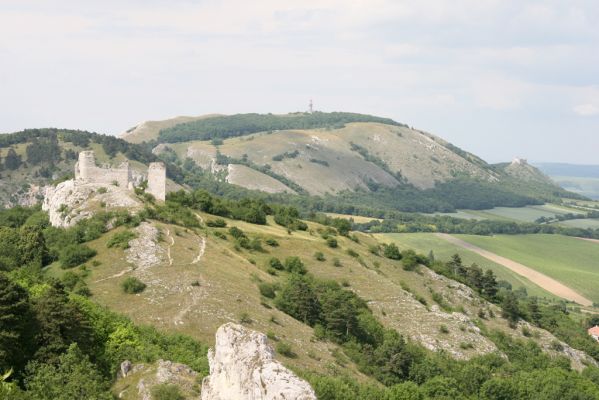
(581, 223)
(570, 260)
(356, 218)
(517, 214)
(443, 250)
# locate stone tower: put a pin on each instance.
(157, 180)
(85, 166)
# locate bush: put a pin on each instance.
(216, 223)
(271, 242)
(236, 232)
(275, 263)
(295, 265)
(319, 256)
(167, 392)
(75, 254)
(332, 242)
(285, 350)
(121, 239)
(133, 285)
(267, 290)
(391, 251)
(352, 253)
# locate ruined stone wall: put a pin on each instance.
(87, 171)
(157, 180)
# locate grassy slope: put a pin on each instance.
(567, 259)
(149, 130)
(228, 288)
(443, 250)
(418, 157)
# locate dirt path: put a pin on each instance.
(547, 283)
(195, 294)
(168, 250)
(123, 272)
(201, 251)
(590, 240)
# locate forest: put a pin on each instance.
(227, 126)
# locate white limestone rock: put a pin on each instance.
(71, 201)
(242, 367)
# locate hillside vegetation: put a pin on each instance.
(359, 318)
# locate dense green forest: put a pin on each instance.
(223, 127)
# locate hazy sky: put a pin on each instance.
(498, 78)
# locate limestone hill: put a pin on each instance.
(332, 153)
(199, 279)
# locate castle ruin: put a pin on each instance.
(87, 171)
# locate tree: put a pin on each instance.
(60, 323)
(534, 310)
(489, 284)
(510, 308)
(73, 377)
(12, 161)
(392, 251)
(15, 319)
(298, 299)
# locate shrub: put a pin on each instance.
(256, 244)
(244, 318)
(216, 223)
(121, 239)
(443, 329)
(332, 242)
(337, 262)
(102, 190)
(167, 392)
(319, 256)
(285, 350)
(271, 242)
(220, 235)
(391, 251)
(133, 285)
(275, 263)
(236, 232)
(409, 260)
(295, 265)
(352, 253)
(267, 290)
(75, 254)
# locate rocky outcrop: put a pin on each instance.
(242, 367)
(71, 201)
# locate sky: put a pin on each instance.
(501, 79)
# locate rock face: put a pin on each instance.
(71, 201)
(242, 367)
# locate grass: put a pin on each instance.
(443, 250)
(567, 259)
(518, 214)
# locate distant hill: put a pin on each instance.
(361, 158)
(577, 178)
(564, 169)
(335, 162)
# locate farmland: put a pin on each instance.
(443, 250)
(567, 259)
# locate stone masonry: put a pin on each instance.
(87, 171)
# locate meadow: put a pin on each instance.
(443, 250)
(569, 260)
(517, 214)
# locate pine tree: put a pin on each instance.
(12, 161)
(15, 317)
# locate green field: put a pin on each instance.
(581, 223)
(517, 214)
(572, 261)
(443, 250)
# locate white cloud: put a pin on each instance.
(586, 110)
